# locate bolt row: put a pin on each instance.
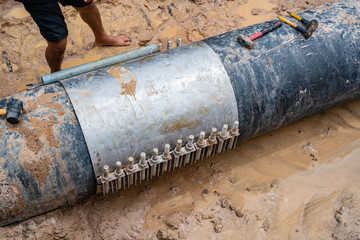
(178, 43)
(157, 164)
(169, 44)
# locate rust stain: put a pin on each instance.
(40, 169)
(177, 125)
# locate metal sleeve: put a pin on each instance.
(129, 109)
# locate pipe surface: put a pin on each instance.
(102, 63)
(126, 110)
(44, 161)
(285, 77)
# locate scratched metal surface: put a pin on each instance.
(44, 161)
(147, 103)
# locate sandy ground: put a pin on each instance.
(298, 182)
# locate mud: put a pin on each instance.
(129, 88)
(183, 122)
(34, 138)
(298, 182)
(40, 169)
(127, 79)
(146, 22)
(269, 187)
(46, 101)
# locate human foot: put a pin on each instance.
(109, 40)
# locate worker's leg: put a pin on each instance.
(49, 18)
(91, 15)
(54, 54)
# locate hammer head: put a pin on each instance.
(311, 27)
(14, 110)
(245, 41)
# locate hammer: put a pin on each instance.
(248, 41)
(13, 111)
(312, 24)
(306, 32)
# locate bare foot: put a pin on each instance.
(109, 40)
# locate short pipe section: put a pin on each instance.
(102, 63)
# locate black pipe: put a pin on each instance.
(285, 77)
(44, 160)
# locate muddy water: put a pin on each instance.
(286, 183)
(260, 11)
(308, 198)
(298, 182)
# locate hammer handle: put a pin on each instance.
(302, 20)
(300, 29)
(265, 31)
(2, 111)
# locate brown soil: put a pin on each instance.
(298, 182)
(40, 169)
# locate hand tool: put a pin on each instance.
(13, 111)
(248, 41)
(306, 32)
(312, 24)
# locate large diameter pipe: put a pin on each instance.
(101, 63)
(285, 77)
(44, 161)
(70, 131)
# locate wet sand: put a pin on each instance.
(298, 182)
(146, 22)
